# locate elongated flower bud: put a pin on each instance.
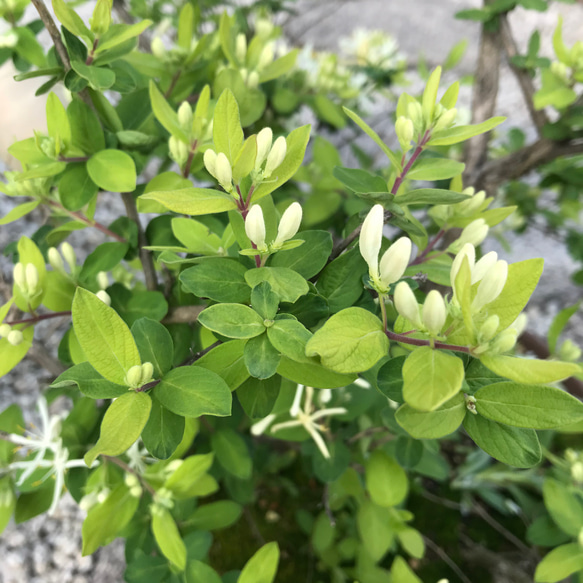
(31, 278)
(405, 131)
(472, 205)
(289, 223)
(491, 285)
(253, 80)
(134, 376)
(371, 236)
(415, 114)
(104, 297)
(474, 233)
(266, 57)
(5, 330)
(241, 47)
(484, 265)
(264, 141)
(505, 341)
(185, 116)
(147, 372)
(395, 260)
(15, 337)
(19, 276)
(210, 162)
(489, 328)
(55, 260)
(255, 226)
(178, 150)
(69, 254)
(158, 48)
(434, 312)
(468, 251)
(276, 156)
(224, 172)
(102, 280)
(446, 119)
(406, 303)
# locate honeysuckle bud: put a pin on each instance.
(472, 205)
(405, 131)
(104, 297)
(178, 150)
(491, 285)
(253, 80)
(224, 172)
(241, 47)
(210, 162)
(158, 48)
(185, 116)
(276, 156)
(31, 278)
(263, 27)
(489, 328)
(244, 74)
(484, 265)
(474, 233)
(520, 323)
(147, 372)
(55, 260)
(395, 260)
(406, 303)
(134, 376)
(255, 226)
(88, 501)
(103, 495)
(289, 223)
(69, 254)
(371, 236)
(266, 57)
(131, 480)
(136, 491)
(434, 312)
(560, 70)
(415, 114)
(505, 341)
(468, 251)
(173, 466)
(569, 351)
(5, 330)
(445, 119)
(577, 475)
(19, 277)
(102, 280)
(264, 141)
(15, 337)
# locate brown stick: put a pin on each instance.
(183, 315)
(50, 25)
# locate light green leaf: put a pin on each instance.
(290, 338)
(192, 469)
(163, 431)
(196, 236)
(215, 515)
(168, 538)
(120, 33)
(113, 170)
(529, 371)
(12, 355)
(99, 78)
(165, 114)
(435, 169)
(559, 564)
(245, 161)
(232, 453)
(227, 361)
(104, 337)
(564, 506)
(402, 573)
(432, 424)
(461, 133)
(279, 67)
(430, 196)
(312, 374)
(430, 94)
(386, 481)
(154, 344)
(532, 406)
(58, 125)
(352, 340)
(122, 425)
(193, 391)
(431, 377)
(89, 382)
(558, 324)
(71, 20)
(19, 211)
(227, 131)
(286, 283)
(555, 92)
(375, 529)
(193, 201)
(262, 566)
(232, 320)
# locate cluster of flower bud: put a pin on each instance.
(569, 351)
(33, 187)
(575, 460)
(394, 260)
(133, 483)
(443, 118)
(162, 501)
(57, 263)
(173, 56)
(27, 280)
(219, 167)
(430, 318)
(139, 375)
(13, 337)
(250, 71)
(445, 213)
(288, 226)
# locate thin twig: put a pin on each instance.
(418, 342)
(41, 356)
(183, 315)
(129, 470)
(39, 318)
(253, 526)
(446, 559)
(145, 255)
(52, 29)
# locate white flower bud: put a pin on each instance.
(474, 233)
(415, 114)
(491, 285)
(5, 330)
(569, 351)
(173, 466)
(468, 251)
(136, 491)
(178, 150)
(15, 337)
(266, 57)
(483, 266)
(31, 278)
(395, 260)
(103, 495)
(434, 312)
(19, 276)
(55, 260)
(69, 254)
(405, 131)
(185, 116)
(520, 323)
(104, 297)
(147, 372)
(371, 236)
(255, 226)
(102, 280)
(560, 70)
(210, 162)
(134, 376)
(158, 48)
(244, 74)
(276, 156)
(505, 341)
(264, 141)
(241, 47)
(88, 501)
(131, 480)
(263, 27)
(406, 303)
(446, 119)
(489, 328)
(289, 223)
(224, 172)
(253, 80)
(472, 205)
(577, 475)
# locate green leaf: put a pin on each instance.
(290, 337)
(215, 515)
(193, 201)
(76, 189)
(390, 379)
(559, 564)
(262, 566)
(192, 469)
(154, 344)
(232, 453)
(103, 258)
(104, 337)
(219, 279)
(11, 421)
(312, 374)
(564, 506)
(261, 358)
(196, 236)
(386, 481)
(163, 431)
(433, 424)
(232, 320)
(122, 424)
(513, 446)
(431, 377)
(86, 130)
(375, 529)
(430, 94)
(165, 114)
(112, 170)
(435, 169)
(279, 67)
(297, 142)
(120, 33)
(28, 252)
(104, 521)
(461, 133)
(264, 301)
(197, 571)
(307, 259)
(360, 181)
(430, 196)
(351, 341)
(99, 78)
(529, 371)
(71, 20)
(554, 92)
(19, 211)
(532, 406)
(558, 324)
(401, 572)
(227, 131)
(375, 137)
(168, 538)
(286, 283)
(89, 382)
(227, 361)
(58, 125)
(562, 52)
(12, 355)
(193, 391)
(257, 397)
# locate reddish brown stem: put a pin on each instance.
(39, 318)
(418, 342)
(423, 255)
(410, 163)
